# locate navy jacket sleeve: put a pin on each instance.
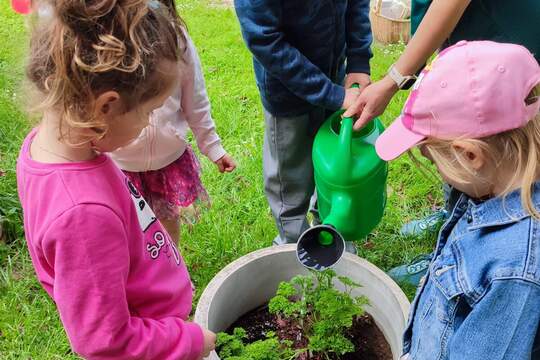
(260, 24)
(502, 325)
(358, 37)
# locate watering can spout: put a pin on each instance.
(339, 212)
(322, 246)
(316, 255)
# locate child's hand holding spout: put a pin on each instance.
(350, 97)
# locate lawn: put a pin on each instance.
(239, 220)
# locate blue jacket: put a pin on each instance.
(299, 49)
(481, 297)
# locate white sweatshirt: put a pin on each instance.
(164, 139)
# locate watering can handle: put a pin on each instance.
(353, 86)
(345, 143)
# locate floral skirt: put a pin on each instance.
(175, 191)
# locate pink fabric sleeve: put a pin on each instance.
(87, 247)
(196, 106)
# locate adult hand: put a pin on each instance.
(209, 342)
(357, 78)
(372, 101)
(226, 164)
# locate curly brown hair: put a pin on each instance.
(88, 47)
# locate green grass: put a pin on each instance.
(13, 125)
(239, 220)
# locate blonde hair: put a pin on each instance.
(88, 47)
(519, 147)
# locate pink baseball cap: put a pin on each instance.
(471, 90)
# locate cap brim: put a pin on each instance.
(396, 140)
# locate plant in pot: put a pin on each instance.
(310, 319)
(240, 294)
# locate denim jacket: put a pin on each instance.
(481, 297)
(299, 49)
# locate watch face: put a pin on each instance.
(408, 84)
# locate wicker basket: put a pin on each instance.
(386, 30)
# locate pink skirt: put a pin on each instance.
(176, 186)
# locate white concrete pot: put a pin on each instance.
(252, 280)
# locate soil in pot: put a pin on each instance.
(368, 339)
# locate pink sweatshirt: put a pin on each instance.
(164, 140)
(120, 285)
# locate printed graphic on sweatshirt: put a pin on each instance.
(161, 242)
(144, 213)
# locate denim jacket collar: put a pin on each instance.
(499, 210)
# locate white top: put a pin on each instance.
(164, 140)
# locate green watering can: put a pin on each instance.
(351, 190)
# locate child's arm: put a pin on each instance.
(439, 22)
(87, 248)
(196, 106)
(502, 325)
(260, 23)
(358, 43)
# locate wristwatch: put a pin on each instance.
(402, 82)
